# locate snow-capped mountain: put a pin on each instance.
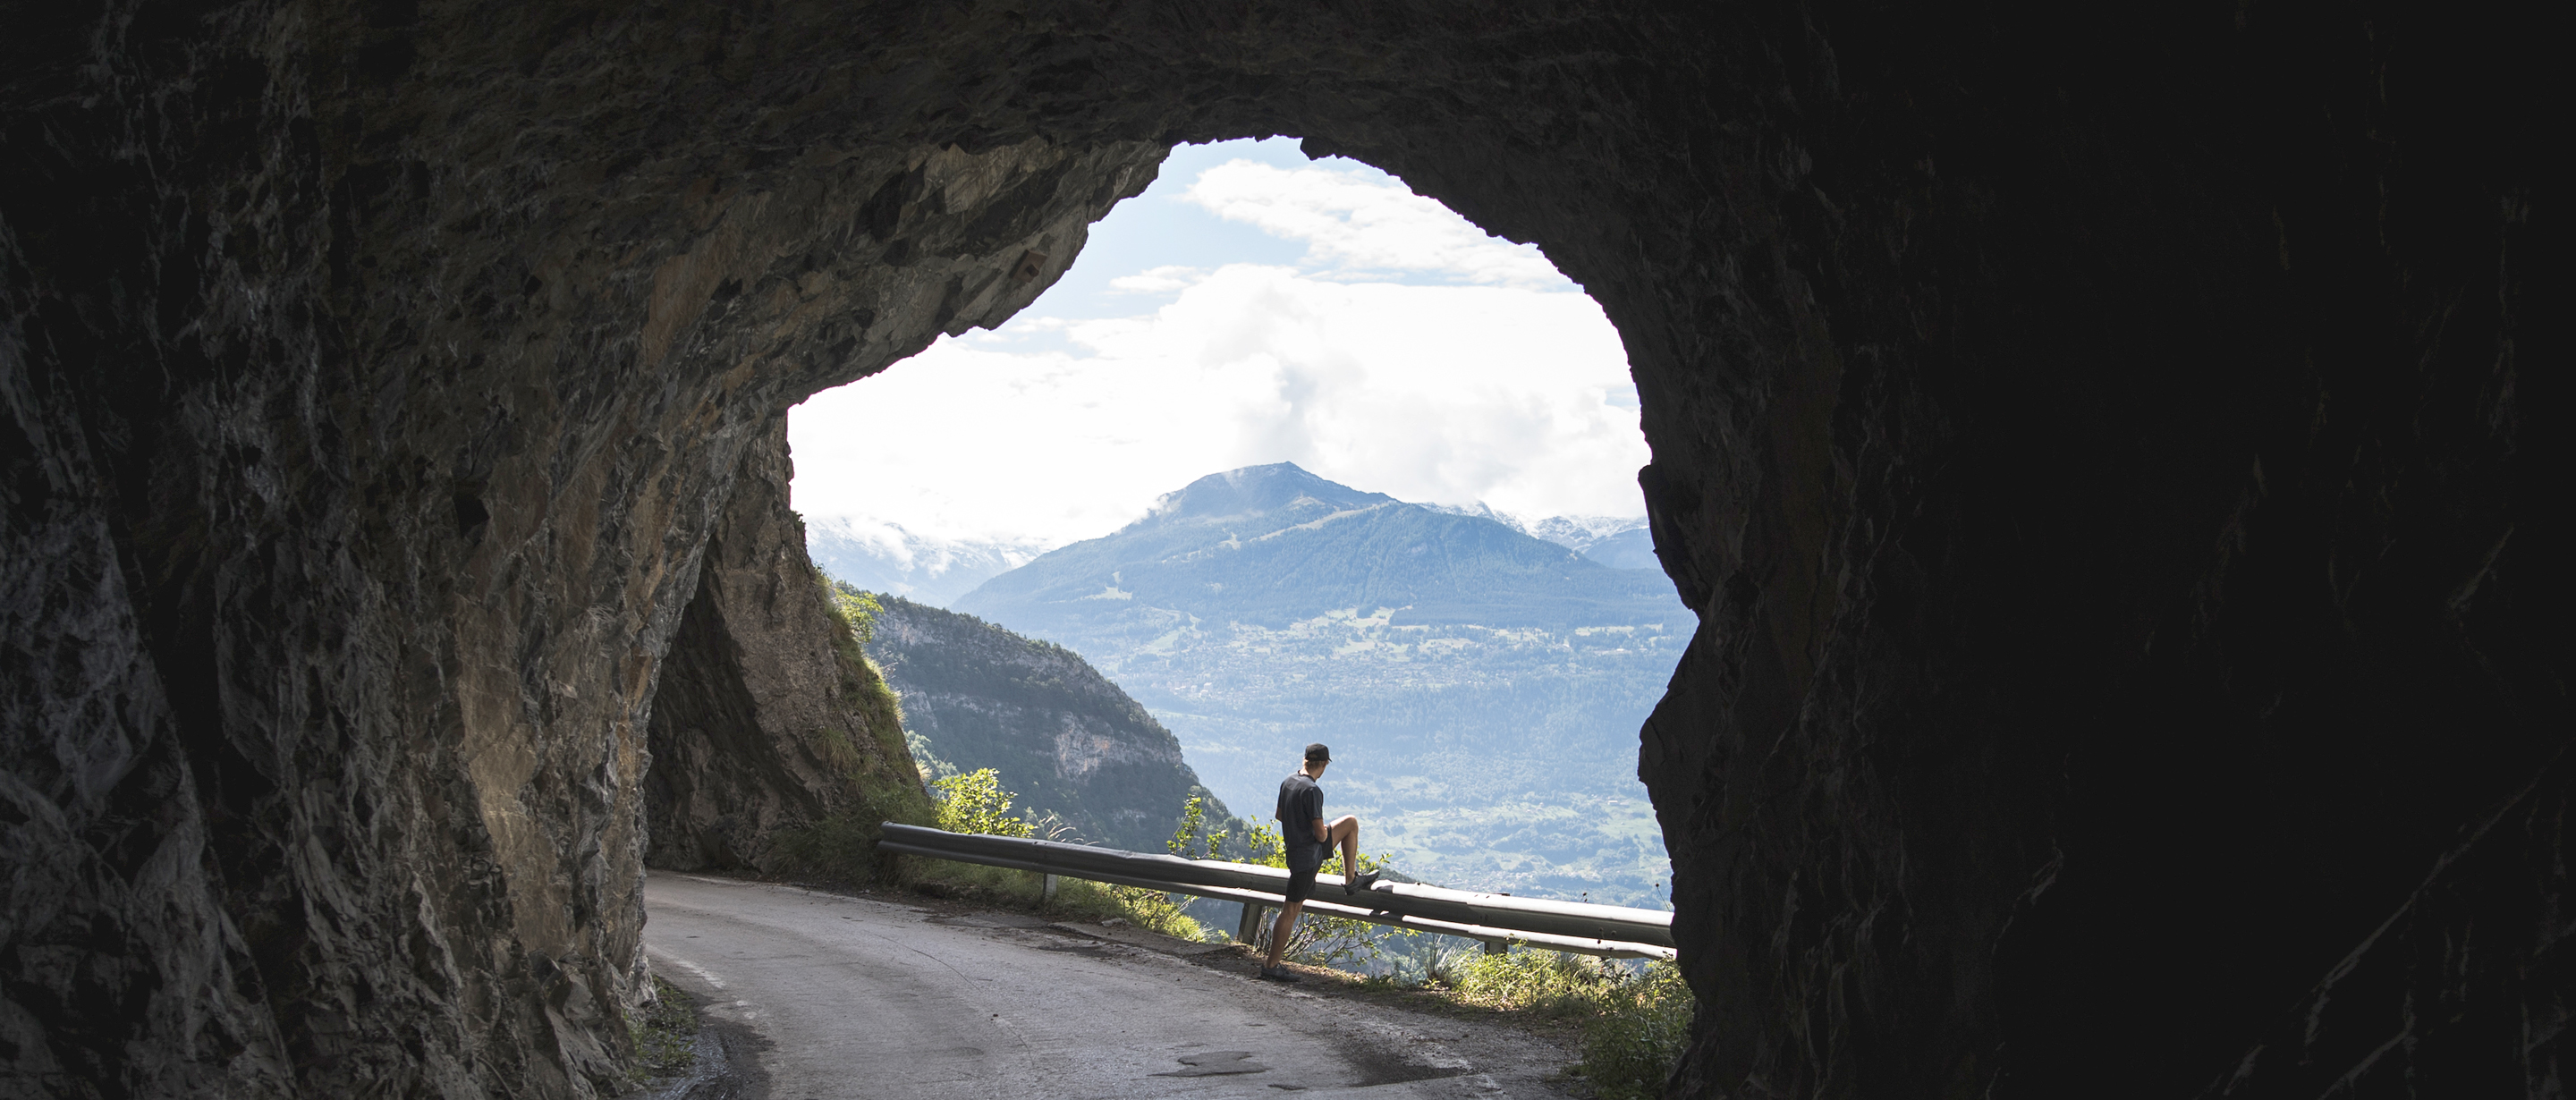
(1620, 542)
(884, 557)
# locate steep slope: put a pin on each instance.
(1479, 686)
(1063, 737)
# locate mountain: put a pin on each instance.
(876, 556)
(1067, 740)
(1620, 542)
(1482, 688)
(1273, 545)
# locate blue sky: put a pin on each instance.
(1250, 307)
(1161, 229)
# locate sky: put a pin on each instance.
(1250, 307)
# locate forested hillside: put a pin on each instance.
(1066, 739)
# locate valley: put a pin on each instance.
(1482, 688)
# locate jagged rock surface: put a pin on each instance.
(2099, 448)
(345, 545)
(766, 716)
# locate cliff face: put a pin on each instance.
(766, 716)
(356, 494)
(1062, 736)
(2096, 447)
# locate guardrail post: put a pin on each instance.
(1248, 931)
(1497, 947)
(1046, 890)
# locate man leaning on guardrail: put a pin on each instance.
(1309, 840)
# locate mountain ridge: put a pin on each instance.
(1432, 566)
(1482, 686)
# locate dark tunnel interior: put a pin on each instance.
(2095, 444)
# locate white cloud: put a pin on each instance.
(1353, 223)
(1483, 376)
(1448, 394)
(1158, 280)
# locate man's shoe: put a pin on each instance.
(1278, 974)
(1353, 886)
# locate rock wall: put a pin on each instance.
(361, 455)
(2097, 445)
(766, 716)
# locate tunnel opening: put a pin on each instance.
(2103, 473)
(1356, 371)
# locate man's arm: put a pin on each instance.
(1323, 832)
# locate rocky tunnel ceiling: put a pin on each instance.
(2096, 447)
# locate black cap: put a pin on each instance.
(1317, 752)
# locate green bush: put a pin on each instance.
(857, 610)
(1629, 1049)
(1193, 840)
(1634, 1021)
(974, 802)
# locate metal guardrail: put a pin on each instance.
(1608, 930)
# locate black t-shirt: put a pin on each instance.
(1300, 803)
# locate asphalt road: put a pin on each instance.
(853, 997)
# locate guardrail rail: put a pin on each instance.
(1612, 931)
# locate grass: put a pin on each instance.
(665, 1034)
(1634, 1022)
(1629, 1024)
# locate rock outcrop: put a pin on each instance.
(2096, 445)
(1062, 737)
(766, 716)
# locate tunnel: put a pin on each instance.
(2093, 441)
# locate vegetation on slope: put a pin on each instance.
(1634, 1021)
(842, 847)
(1083, 754)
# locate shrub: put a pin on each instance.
(1193, 840)
(1151, 910)
(857, 610)
(974, 802)
(1629, 1049)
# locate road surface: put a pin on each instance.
(855, 997)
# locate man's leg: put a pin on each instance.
(1279, 930)
(1345, 835)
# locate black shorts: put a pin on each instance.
(1301, 884)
